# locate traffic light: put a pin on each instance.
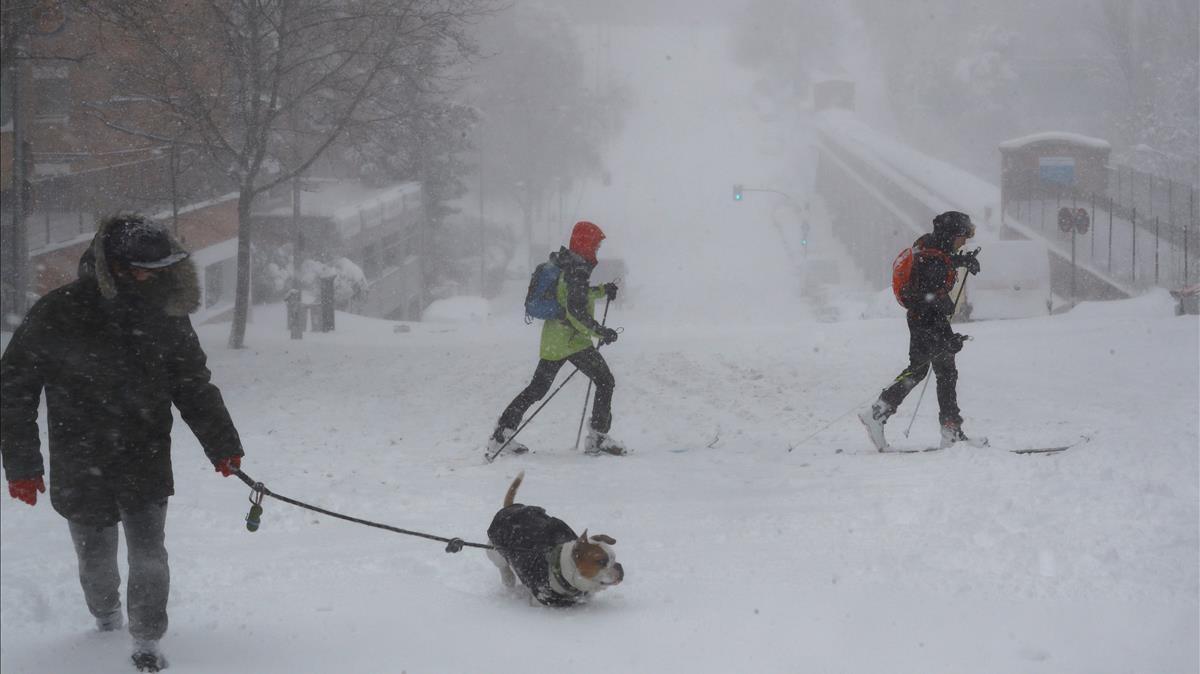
(737, 192)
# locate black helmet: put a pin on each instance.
(140, 242)
(952, 224)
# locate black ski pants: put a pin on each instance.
(590, 363)
(149, 577)
(930, 344)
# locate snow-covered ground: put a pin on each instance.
(740, 554)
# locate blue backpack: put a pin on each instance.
(541, 300)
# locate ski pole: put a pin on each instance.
(930, 363)
(579, 433)
(919, 399)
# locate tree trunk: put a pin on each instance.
(527, 213)
(241, 300)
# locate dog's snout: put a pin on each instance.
(620, 570)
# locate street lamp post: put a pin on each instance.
(482, 228)
(739, 191)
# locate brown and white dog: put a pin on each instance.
(558, 567)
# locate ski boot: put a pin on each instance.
(602, 443)
(874, 417)
(952, 432)
(146, 656)
(499, 437)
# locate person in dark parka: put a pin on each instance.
(112, 351)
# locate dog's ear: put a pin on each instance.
(583, 538)
(604, 538)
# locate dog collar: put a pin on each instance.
(558, 582)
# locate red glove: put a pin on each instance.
(27, 490)
(228, 466)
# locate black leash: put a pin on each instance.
(259, 490)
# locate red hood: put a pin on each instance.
(585, 239)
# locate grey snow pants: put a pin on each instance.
(149, 576)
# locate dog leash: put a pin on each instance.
(258, 490)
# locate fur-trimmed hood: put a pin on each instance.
(184, 297)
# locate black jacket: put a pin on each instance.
(576, 273)
(111, 369)
(927, 295)
(530, 540)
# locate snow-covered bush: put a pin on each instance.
(274, 278)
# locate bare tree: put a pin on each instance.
(545, 127)
(263, 88)
(1153, 49)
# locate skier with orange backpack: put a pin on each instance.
(922, 278)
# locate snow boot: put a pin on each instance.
(602, 443)
(874, 417)
(111, 622)
(952, 432)
(499, 437)
(146, 656)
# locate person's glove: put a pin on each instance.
(27, 489)
(607, 335)
(968, 262)
(956, 342)
(610, 289)
(228, 466)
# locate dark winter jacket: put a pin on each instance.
(110, 367)
(530, 541)
(927, 294)
(574, 332)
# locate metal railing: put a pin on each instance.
(1129, 244)
(1150, 195)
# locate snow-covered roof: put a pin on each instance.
(343, 199)
(1056, 136)
(352, 205)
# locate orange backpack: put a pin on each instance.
(903, 264)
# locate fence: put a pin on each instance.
(65, 207)
(1151, 195)
(1132, 245)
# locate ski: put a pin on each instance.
(1029, 450)
(488, 458)
(1055, 449)
(1042, 450)
(625, 451)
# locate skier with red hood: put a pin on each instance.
(569, 339)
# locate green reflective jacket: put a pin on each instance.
(564, 337)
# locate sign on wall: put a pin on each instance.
(1057, 170)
